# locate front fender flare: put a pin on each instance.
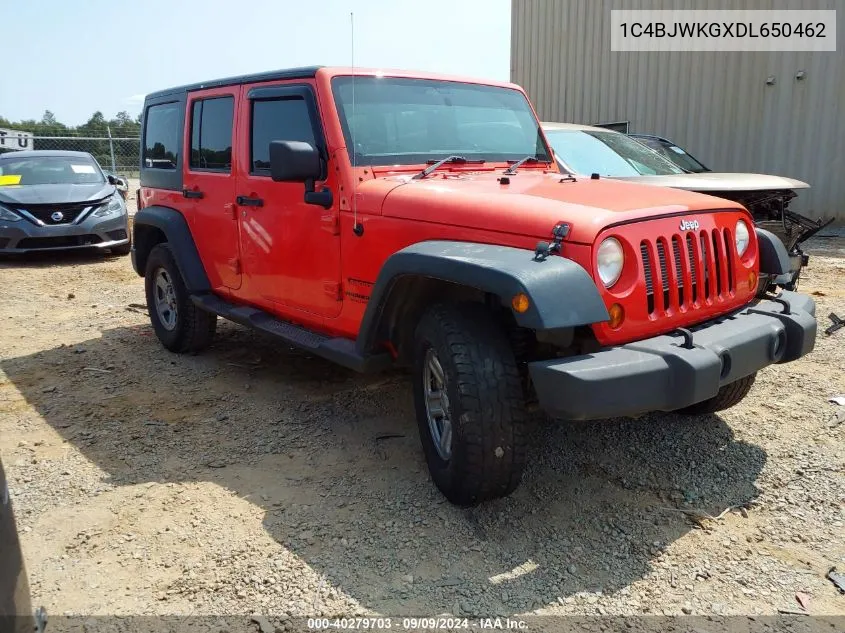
(175, 228)
(561, 292)
(774, 259)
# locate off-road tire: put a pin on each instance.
(728, 396)
(194, 328)
(486, 402)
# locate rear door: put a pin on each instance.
(209, 182)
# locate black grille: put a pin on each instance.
(661, 258)
(707, 258)
(70, 213)
(67, 241)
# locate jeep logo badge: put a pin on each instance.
(689, 225)
(57, 216)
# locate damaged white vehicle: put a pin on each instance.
(584, 149)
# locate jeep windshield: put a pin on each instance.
(608, 154)
(50, 170)
(397, 121)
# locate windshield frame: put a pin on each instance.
(9, 157)
(672, 168)
(543, 150)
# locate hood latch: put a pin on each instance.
(544, 249)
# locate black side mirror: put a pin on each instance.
(294, 161)
(297, 161)
(112, 179)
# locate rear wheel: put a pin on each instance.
(469, 404)
(178, 323)
(727, 396)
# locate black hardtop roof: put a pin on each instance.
(35, 153)
(285, 73)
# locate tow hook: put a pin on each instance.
(687, 334)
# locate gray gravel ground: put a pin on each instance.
(254, 479)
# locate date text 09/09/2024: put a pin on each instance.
(417, 624)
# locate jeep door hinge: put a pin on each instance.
(231, 210)
(235, 265)
(332, 289)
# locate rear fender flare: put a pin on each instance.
(177, 233)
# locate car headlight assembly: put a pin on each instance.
(114, 205)
(7, 215)
(609, 260)
(742, 237)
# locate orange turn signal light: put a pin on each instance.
(752, 280)
(617, 315)
(520, 303)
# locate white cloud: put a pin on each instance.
(135, 99)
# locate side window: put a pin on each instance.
(161, 136)
(277, 120)
(211, 134)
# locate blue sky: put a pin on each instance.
(78, 57)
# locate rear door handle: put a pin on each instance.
(246, 201)
(191, 193)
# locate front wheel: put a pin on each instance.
(179, 324)
(469, 403)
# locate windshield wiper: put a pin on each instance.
(510, 171)
(438, 164)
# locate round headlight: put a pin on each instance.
(741, 236)
(609, 260)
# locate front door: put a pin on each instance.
(209, 183)
(290, 249)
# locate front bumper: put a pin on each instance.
(661, 374)
(93, 232)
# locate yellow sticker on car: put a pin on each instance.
(11, 179)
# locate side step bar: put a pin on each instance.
(338, 350)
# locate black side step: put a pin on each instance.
(338, 350)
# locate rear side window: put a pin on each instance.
(161, 136)
(277, 120)
(211, 134)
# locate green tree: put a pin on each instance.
(124, 125)
(95, 126)
(123, 118)
(49, 119)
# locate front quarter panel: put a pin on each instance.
(561, 292)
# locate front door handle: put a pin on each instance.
(246, 201)
(192, 193)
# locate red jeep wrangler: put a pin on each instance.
(408, 219)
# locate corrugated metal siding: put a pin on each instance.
(716, 105)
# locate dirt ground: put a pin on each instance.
(253, 478)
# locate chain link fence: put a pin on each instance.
(116, 154)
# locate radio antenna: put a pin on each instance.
(357, 229)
